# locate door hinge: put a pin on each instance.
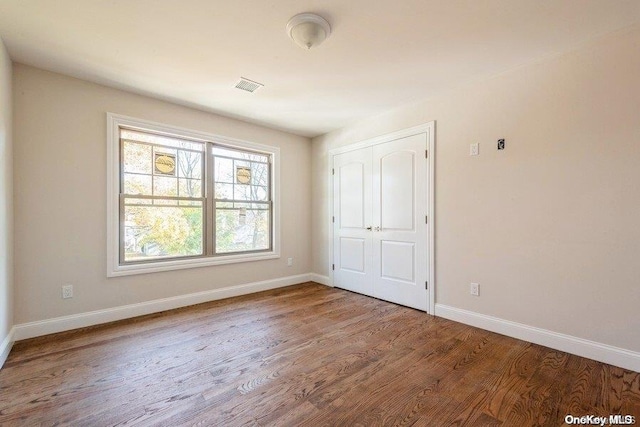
(333, 171)
(426, 285)
(333, 219)
(426, 219)
(426, 154)
(333, 266)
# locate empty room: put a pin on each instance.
(319, 213)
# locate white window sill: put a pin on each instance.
(180, 264)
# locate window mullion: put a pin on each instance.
(210, 229)
(121, 202)
(270, 197)
(121, 227)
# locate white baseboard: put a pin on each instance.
(6, 345)
(323, 280)
(623, 358)
(616, 356)
(67, 323)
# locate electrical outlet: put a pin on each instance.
(474, 149)
(475, 289)
(289, 262)
(67, 291)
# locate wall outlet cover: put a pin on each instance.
(475, 289)
(67, 291)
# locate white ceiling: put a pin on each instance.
(381, 53)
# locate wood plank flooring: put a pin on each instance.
(305, 355)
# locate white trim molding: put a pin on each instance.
(5, 347)
(429, 129)
(616, 356)
(82, 320)
(323, 280)
(114, 267)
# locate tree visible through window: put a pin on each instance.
(185, 198)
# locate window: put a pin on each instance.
(242, 200)
(180, 199)
(162, 198)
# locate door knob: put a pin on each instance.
(369, 228)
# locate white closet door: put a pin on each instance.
(380, 231)
(352, 215)
(399, 240)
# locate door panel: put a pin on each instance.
(397, 192)
(352, 254)
(398, 260)
(352, 214)
(399, 199)
(351, 209)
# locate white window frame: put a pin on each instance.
(114, 268)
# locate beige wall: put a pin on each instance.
(60, 199)
(550, 226)
(6, 197)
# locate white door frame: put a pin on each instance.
(429, 130)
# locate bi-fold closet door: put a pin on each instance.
(380, 234)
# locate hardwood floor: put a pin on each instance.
(303, 355)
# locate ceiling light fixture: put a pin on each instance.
(308, 30)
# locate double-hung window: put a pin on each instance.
(242, 198)
(179, 199)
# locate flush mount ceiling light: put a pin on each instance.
(308, 30)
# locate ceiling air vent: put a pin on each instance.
(248, 85)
